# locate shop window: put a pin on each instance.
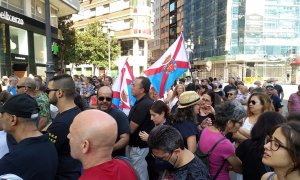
(41, 71)
(40, 50)
(18, 41)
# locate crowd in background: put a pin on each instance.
(240, 130)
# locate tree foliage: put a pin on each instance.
(67, 44)
(92, 47)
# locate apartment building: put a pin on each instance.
(23, 37)
(130, 20)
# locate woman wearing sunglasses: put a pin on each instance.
(258, 103)
(282, 152)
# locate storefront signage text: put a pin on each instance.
(11, 18)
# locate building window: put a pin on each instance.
(18, 41)
(126, 47)
(16, 5)
(54, 17)
(105, 9)
(38, 10)
(141, 47)
(172, 6)
(40, 49)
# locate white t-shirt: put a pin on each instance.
(247, 125)
(3, 144)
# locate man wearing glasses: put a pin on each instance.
(104, 103)
(61, 92)
(167, 144)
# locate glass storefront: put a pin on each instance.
(18, 41)
(40, 50)
(41, 71)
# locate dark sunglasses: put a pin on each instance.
(252, 102)
(229, 94)
(18, 87)
(47, 91)
(108, 99)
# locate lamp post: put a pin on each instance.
(108, 30)
(189, 45)
(49, 65)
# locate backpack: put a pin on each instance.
(204, 157)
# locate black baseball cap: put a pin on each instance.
(21, 105)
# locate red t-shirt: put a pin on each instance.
(112, 170)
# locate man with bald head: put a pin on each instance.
(92, 138)
(104, 103)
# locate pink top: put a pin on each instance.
(294, 101)
(222, 151)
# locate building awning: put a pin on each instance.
(66, 7)
(295, 62)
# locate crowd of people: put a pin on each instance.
(69, 129)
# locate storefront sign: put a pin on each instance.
(5, 15)
(19, 57)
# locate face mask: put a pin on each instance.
(255, 86)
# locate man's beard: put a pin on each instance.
(53, 100)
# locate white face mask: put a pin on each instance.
(255, 86)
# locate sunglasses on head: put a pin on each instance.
(108, 99)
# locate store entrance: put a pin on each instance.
(20, 70)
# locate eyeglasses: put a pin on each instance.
(275, 143)
(253, 102)
(162, 158)
(108, 99)
(49, 90)
(230, 94)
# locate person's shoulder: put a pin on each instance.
(195, 170)
(117, 113)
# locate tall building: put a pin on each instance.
(243, 38)
(154, 44)
(23, 48)
(171, 22)
(130, 20)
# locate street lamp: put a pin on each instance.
(189, 46)
(109, 31)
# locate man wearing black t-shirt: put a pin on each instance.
(140, 120)
(167, 144)
(34, 156)
(61, 91)
(104, 101)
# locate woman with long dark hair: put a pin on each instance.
(185, 118)
(251, 150)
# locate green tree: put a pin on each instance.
(92, 47)
(67, 44)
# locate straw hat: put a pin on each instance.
(188, 98)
